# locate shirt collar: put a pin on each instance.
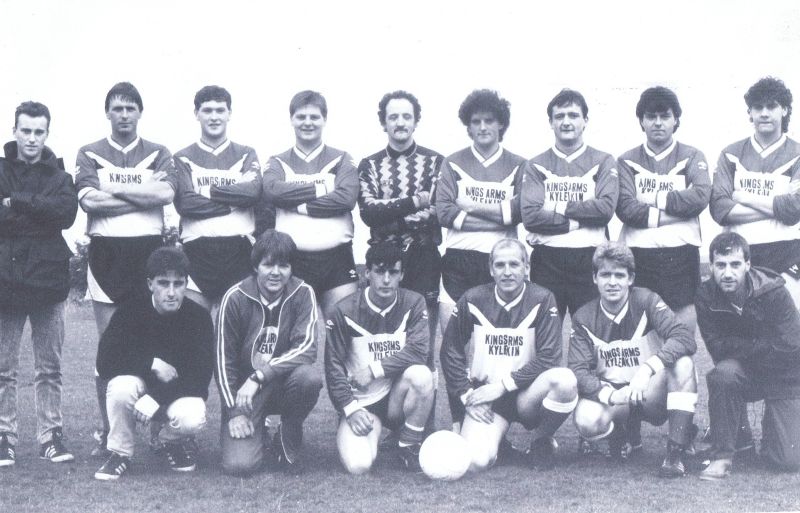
(375, 308)
(660, 156)
(393, 154)
(617, 319)
(311, 156)
(769, 150)
(572, 156)
(265, 301)
(127, 148)
(514, 302)
(214, 151)
(486, 162)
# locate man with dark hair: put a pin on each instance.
(314, 188)
(501, 357)
(123, 183)
(750, 326)
(156, 356)
(756, 182)
(477, 197)
(395, 199)
(631, 356)
(266, 348)
(218, 184)
(663, 188)
(569, 195)
(375, 364)
(37, 201)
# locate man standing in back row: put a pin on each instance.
(122, 183)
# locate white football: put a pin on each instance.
(445, 456)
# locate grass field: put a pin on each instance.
(576, 485)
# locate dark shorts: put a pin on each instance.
(381, 410)
(118, 264)
(463, 269)
(327, 269)
(217, 263)
(567, 273)
(422, 270)
(506, 407)
(779, 256)
(672, 273)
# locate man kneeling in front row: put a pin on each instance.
(632, 357)
(515, 333)
(375, 364)
(157, 357)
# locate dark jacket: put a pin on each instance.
(34, 259)
(764, 337)
(137, 334)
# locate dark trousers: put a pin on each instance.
(730, 387)
(292, 396)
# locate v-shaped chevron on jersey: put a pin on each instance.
(401, 328)
(777, 171)
(680, 166)
(105, 164)
(599, 342)
(523, 324)
(507, 181)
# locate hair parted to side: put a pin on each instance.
(616, 253)
(510, 243)
(212, 93)
(32, 109)
(726, 243)
(384, 255)
(125, 91)
(567, 97)
(486, 100)
(768, 90)
(308, 97)
(165, 259)
(398, 95)
(659, 99)
(275, 246)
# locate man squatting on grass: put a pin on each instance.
(37, 201)
(158, 345)
(514, 331)
(375, 364)
(266, 349)
(750, 326)
(631, 356)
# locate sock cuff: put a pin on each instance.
(558, 407)
(684, 401)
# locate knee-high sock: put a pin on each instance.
(680, 411)
(552, 415)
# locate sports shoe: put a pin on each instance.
(542, 454)
(286, 446)
(179, 458)
(506, 452)
(8, 455)
(113, 468)
(100, 450)
(409, 457)
(588, 448)
(717, 470)
(673, 466)
(54, 449)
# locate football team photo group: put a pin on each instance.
(478, 264)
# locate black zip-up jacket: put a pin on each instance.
(34, 258)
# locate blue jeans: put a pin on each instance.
(47, 333)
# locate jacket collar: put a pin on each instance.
(249, 287)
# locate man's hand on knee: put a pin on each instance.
(164, 372)
(360, 422)
(240, 427)
(481, 413)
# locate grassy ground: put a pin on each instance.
(579, 485)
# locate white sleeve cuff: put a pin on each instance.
(205, 191)
(655, 363)
(561, 207)
(605, 394)
(574, 225)
(302, 209)
(350, 408)
(459, 220)
(83, 192)
(464, 397)
(509, 384)
(320, 189)
(505, 211)
(653, 214)
(661, 200)
(377, 369)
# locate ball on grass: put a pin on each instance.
(444, 456)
